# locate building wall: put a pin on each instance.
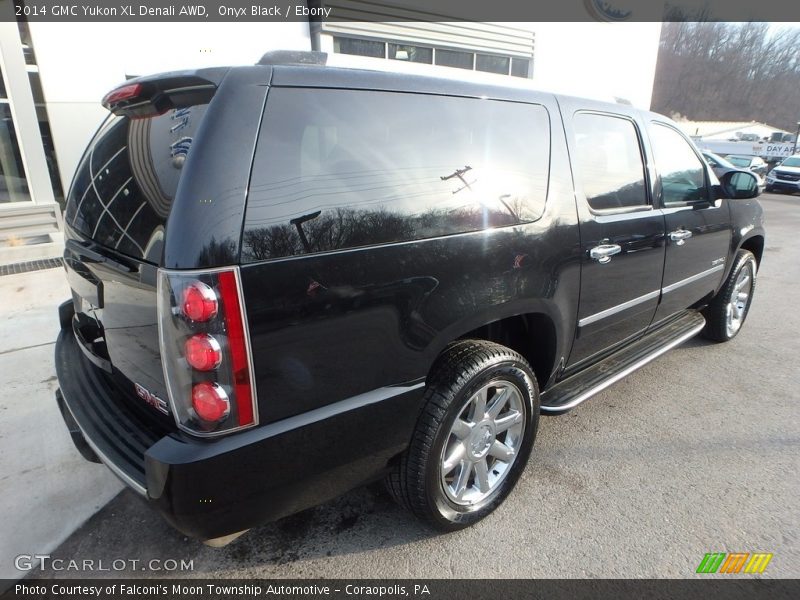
(597, 60)
(80, 62)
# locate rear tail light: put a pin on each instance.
(199, 302)
(126, 92)
(205, 351)
(151, 96)
(210, 402)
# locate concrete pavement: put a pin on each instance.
(48, 490)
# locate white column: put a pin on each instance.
(26, 124)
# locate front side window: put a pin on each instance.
(609, 162)
(683, 177)
(339, 169)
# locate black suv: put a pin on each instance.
(290, 280)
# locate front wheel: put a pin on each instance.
(728, 310)
(473, 436)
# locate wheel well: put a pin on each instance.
(532, 335)
(755, 245)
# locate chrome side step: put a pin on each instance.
(569, 393)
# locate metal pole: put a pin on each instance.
(796, 133)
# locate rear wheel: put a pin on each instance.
(727, 312)
(473, 436)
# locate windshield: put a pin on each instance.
(739, 161)
(794, 161)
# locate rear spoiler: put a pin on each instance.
(151, 96)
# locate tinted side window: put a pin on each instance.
(609, 161)
(683, 177)
(124, 186)
(346, 168)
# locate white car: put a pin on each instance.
(785, 177)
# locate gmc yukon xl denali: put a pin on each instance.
(289, 280)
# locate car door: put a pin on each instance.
(622, 233)
(698, 227)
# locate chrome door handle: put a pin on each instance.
(680, 236)
(604, 252)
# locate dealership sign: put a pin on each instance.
(766, 150)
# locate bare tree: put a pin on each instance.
(729, 72)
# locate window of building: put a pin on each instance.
(455, 58)
(339, 169)
(359, 47)
(418, 54)
(520, 67)
(492, 64)
(13, 183)
(683, 177)
(609, 161)
(445, 57)
(41, 111)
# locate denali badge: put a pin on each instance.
(151, 399)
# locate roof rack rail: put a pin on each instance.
(293, 57)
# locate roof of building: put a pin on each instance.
(721, 128)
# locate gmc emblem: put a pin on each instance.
(151, 399)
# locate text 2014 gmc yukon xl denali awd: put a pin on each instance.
(289, 280)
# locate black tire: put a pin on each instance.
(460, 373)
(718, 326)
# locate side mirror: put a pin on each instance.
(738, 185)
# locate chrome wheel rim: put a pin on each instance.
(483, 443)
(736, 308)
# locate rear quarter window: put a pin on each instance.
(339, 169)
(126, 181)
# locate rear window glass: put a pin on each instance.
(125, 183)
(341, 169)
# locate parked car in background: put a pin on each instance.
(785, 177)
(720, 166)
(289, 280)
(756, 164)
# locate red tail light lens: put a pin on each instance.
(203, 352)
(199, 302)
(210, 402)
(126, 92)
(238, 346)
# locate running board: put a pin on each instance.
(567, 394)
